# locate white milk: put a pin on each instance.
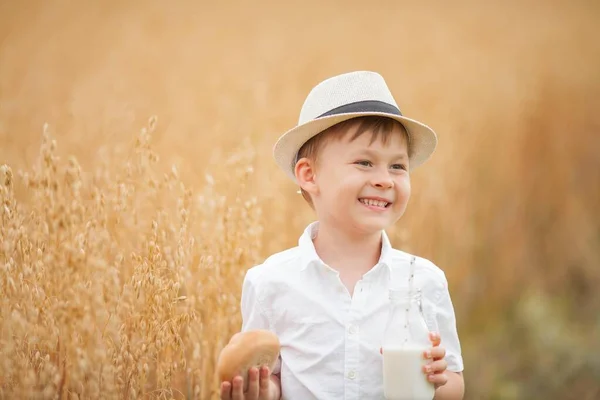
(403, 376)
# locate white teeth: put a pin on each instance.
(377, 203)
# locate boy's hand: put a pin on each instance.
(436, 369)
(259, 387)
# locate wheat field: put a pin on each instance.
(137, 182)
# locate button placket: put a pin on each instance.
(353, 342)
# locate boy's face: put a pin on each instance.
(359, 186)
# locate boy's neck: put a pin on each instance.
(347, 253)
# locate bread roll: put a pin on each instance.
(245, 350)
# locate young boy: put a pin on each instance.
(326, 299)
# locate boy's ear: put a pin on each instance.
(305, 175)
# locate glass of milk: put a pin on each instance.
(405, 339)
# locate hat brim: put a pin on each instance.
(422, 139)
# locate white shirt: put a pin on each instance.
(330, 341)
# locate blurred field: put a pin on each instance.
(125, 241)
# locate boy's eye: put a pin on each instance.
(399, 166)
(364, 163)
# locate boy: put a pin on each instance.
(326, 299)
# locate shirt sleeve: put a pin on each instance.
(254, 316)
(446, 323)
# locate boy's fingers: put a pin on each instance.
(435, 353)
(237, 393)
(435, 338)
(436, 367)
(265, 382)
(252, 392)
(438, 379)
(225, 391)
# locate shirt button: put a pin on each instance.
(351, 374)
(352, 329)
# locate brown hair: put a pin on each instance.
(378, 126)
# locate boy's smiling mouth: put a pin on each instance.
(375, 202)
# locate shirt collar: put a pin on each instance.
(309, 254)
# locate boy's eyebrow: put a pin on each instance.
(371, 153)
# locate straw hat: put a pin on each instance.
(343, 97)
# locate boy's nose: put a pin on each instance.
(383, 181)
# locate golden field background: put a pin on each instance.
(129, 221)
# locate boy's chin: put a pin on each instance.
(373, 226)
